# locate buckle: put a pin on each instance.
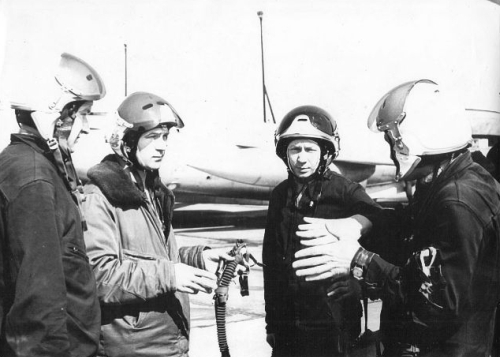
(53, 144)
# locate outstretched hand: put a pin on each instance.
(213, 256)
(318, 231)
(192, 280)
(330, 245)
(314, 232)
(324, 261)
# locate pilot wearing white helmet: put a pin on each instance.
(435, 263)
(48, 295)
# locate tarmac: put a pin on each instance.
(220, 225)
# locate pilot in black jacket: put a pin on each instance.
(301, 319)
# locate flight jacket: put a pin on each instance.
(292, 303)
(132, 249)
(48, 302)
(459, 216)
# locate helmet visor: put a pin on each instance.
(169, 116)
(317, 120)
(373, 118)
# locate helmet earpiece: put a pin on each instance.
(24, 117)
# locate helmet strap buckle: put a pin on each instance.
(53, 144)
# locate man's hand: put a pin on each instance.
(320, 262)
(213, 256)
(344, 288)
(315, 232)
(192, 280)
(318, 231)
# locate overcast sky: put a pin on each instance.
(204, 56)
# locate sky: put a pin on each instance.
(204, 56)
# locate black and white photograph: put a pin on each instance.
(243, 178)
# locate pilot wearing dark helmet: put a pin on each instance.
(302, 320)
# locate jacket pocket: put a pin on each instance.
(74, 250)
(133, 255)
(77, 271)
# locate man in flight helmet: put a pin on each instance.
(143, 278)
(442, 285)
(48, 295)
(302, 320)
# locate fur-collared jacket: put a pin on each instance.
(132, 249)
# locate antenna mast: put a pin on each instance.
(264, 90)
(125, 48)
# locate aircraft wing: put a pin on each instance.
(253, 173)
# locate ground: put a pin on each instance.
(220, 226)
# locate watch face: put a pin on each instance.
(357, 272)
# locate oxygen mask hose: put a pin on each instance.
(226, 274)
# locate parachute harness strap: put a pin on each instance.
(225, 273)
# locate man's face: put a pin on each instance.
(419, 172)
(151, 148)
(80, 125)
(303, 157)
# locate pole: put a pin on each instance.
(125, 47)
(260, 14)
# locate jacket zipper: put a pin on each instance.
(153, 215)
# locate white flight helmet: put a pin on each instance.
(77, 81)
(420, 119)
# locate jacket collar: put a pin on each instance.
(115, 183)
(37, 143)
(425, 195)
(458, 165)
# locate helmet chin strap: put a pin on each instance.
(408, 187)
(133, 167)
(65, 166)
(428, 178)
(139, 176)
(308, 190)
(126, 151)
(131, 170)
(45, 123)
(439, 168)
(324, 162)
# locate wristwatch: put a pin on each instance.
(360, 263)
(357, 272)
